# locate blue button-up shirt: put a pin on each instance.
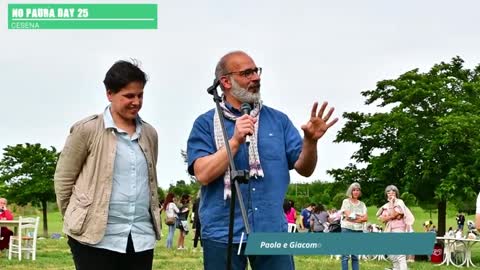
(279, 144)
(128, 212)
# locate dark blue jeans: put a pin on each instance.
(215, 258)
(355, 265)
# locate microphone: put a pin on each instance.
(214, 86)
(246, 109)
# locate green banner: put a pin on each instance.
(82, 16)
(340, 243)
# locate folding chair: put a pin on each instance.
(458, 253)
(26, 239)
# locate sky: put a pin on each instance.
(309, 51)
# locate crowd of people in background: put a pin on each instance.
(393, 216)
(352, 217)
(470, 233)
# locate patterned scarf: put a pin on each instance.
(253, 157)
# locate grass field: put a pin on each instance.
(55, 254)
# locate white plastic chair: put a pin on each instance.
(292, 227)
(26, 238)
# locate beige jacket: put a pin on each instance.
(83, 178)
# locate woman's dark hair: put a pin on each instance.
(319, 208)
(286, 206)
(185, 199)
(122, 73)
(292, 203)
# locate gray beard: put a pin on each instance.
(243, 95)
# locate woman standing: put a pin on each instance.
(397, 218)
(354, 219)
(171, 211)
(106, 180)
(290, 212)
(182, 223)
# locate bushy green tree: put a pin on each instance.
(26, 171)
(425, 140)
(161, 194)
(337, 200)
(181, 187)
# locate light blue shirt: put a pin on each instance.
(130, 200)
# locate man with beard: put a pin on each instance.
(274, 149)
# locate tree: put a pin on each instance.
(27, 173)
(181, 188)
(338, 200)
(315, 192)
(161, 194)
(183, 153)
(427, 140)
(409, 198)
(192, 187)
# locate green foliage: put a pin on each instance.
(426, 140)
(161, 194)
(325, 199)
(2, 190)
(465, 205)
(181, 188)
(409, 198)
(315, 192)
(337, 200)
(26, 171)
